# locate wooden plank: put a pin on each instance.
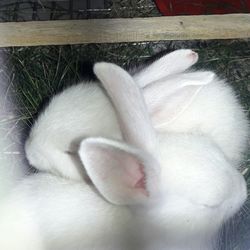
(124, 30)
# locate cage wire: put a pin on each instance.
(39, 10)
(36, 73)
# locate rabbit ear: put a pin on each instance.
(121, 173)
(129, 104)
(175, 62)
(167, 99)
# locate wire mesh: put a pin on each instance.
(34, 10)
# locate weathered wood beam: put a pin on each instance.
(124, 30)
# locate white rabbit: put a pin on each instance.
(179, 102)
(82, 111)
(202, 104)
(151, 191)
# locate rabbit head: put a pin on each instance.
(200, 103)
(181, 187)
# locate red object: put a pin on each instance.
(202, 7)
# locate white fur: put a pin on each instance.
(196, 197)
(199, 191)
(211, 109)
(173, 63)
(191, 103)
(94, 116)
(48, 212)
(199, 187)
(82, 122)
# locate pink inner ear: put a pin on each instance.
(137, 178)
(140, 185)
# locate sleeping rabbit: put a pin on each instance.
(192, 102)
(144, 187)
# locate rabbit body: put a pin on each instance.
(65, 214)
(214, 112)
(158, 191)
(53, 213)
(94, 116)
